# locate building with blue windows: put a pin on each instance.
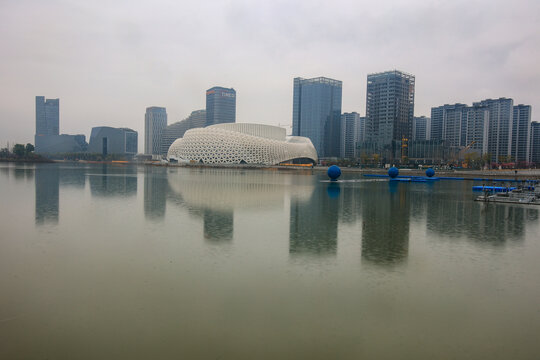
(155, 120)
(220, 105)
(47, 116)
(317, 113)
(108, 141)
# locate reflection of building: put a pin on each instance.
(385, 224)
(317, 113)
(241, 143)
(197, 119)
(313, 226)
(155, 120)
(456, 217)
(220, 106)
(218, 225)
(214, 194)
(47, 180)
(114, 181)
(155, 186)
(107, 140)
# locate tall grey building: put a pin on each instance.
(155, 120)
(521, 133)
(421, 129)
(535, 143)
(350, 122)
(317, 113)
(449, 122)
(47, 116)
(390, 111)
(500, 127)
(477, 129)
(197, 119)
(220, 105)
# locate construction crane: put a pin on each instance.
(461, 152)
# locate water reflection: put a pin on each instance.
(455, 217)
(314, 223)
(155, 192)
(47, 181)
(114, 181)
(385, 223)
(218, 225)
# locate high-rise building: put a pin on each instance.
(390, 111)
(535, 143)
(220, 105)
(155, 120)
(47, 116)
(349, 134)
(521, 133)
(477, 120)
(317, 113)
(421, 129)
(500, 127)
(197, 119)
(361, 129)
(448, 122)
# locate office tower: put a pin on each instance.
(349, 134)
(535, 143)
(500, 127)
(220, 105)
(317, 113)
(47, 116)
(449, 122)
(197, 119)
(389, 112)
(155, 120)
(521, 133)
(421, 129)
(361, 129)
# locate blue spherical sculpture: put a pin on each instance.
(334, 172)
(393, 172)
(430, 172)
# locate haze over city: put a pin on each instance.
(107, 61)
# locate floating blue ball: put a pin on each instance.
(393, 172)
(334, 172)
(430, 172)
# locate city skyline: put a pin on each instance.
(121, 69)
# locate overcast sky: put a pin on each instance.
(109, 60)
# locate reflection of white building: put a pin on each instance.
(236, 143)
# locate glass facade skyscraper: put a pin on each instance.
(220, 105)
(317, 113)
(155, 120)
(47, 116)
(390, 111)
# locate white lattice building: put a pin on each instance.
(237, 143)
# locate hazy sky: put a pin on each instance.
(109, 60)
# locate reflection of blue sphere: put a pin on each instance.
(334, 172)
(333, 190)
(393, 172)
(430, 172)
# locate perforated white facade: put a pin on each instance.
(241, 143)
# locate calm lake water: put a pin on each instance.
(121, 262)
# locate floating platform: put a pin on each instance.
(492, 188)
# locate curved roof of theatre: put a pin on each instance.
(234, 143)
